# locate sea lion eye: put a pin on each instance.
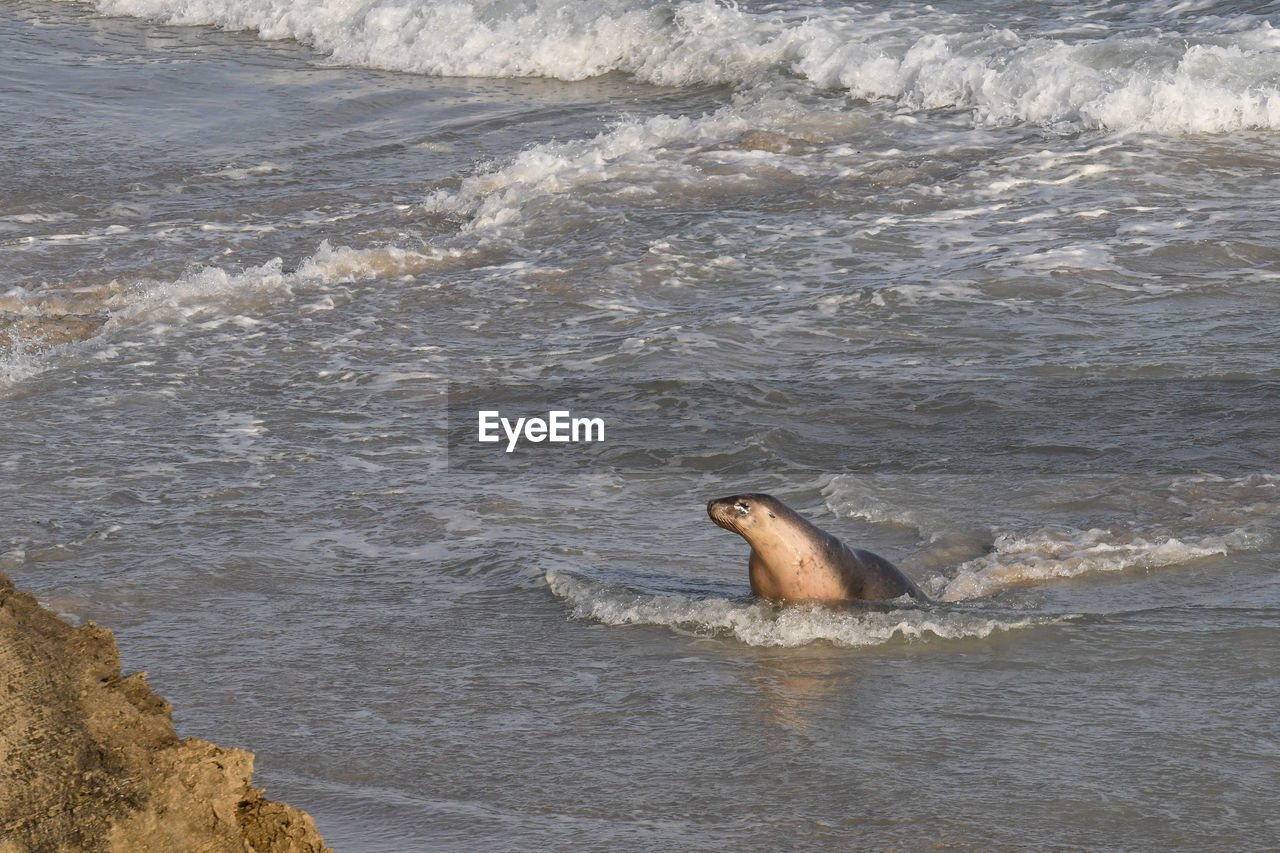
(742, 507)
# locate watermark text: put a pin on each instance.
(558, 427)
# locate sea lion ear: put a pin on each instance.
(771, 515)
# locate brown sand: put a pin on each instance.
(89, 761)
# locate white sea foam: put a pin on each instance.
(758, 623)
(499, 196)
(210, 295)
(1169, 521)
(1018, 560)
(1158, 80)
(18, 363)
(245, 173)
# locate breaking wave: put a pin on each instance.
(1211, 75)
(759, 623)
(37, 326)
(1018, 560)
(1166, 521)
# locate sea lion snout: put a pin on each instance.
(718, 509)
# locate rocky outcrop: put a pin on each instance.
(89, 760)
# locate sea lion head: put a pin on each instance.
(747, 514)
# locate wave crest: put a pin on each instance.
(1046, 555)
(1163, 81)
(37, 325)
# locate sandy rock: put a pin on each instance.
(89, 761)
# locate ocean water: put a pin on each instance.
(989, 288)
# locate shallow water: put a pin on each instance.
(986, 288)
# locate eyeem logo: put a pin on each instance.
(559, 427)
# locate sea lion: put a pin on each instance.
(791, 560)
